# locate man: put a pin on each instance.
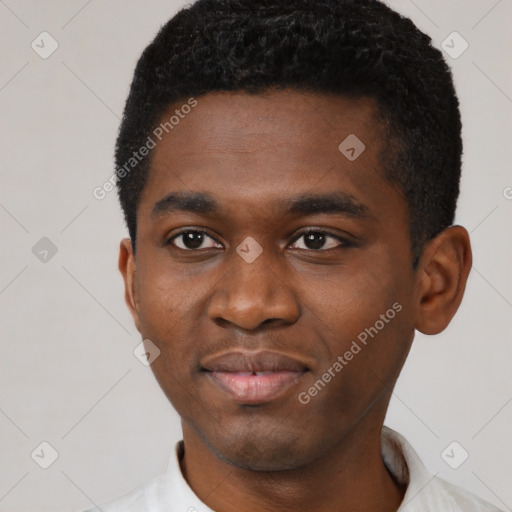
(289, 173)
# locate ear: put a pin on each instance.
(127, 267)
(442, 275)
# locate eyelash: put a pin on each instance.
(343, 241)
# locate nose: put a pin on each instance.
(252, 294)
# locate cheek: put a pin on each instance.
(363, 365)
(164, 299)
(161, 314)
(348, 301)
(171, 304)
(364, 319)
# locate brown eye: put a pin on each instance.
(318, 240)
(191, 240)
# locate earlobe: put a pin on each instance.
(442, 275)
(127, 268)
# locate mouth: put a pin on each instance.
(252, 378)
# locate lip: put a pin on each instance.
(254, 377)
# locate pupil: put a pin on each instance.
(313, 240)
(311, 243)
(193, 240)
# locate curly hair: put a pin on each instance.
(351, 48)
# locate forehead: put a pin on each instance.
(242, 122)
(252, 149)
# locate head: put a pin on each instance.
(261, 121)
(347, 48)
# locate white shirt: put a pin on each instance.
(425, 493)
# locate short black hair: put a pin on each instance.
(350, 48)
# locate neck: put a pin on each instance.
(351, 478)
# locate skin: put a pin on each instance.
(251, 152)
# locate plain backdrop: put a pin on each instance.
(68, 374)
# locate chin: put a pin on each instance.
(253, 457)
(266, 449)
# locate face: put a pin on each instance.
(273, 272)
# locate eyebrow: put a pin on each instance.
(304, 204)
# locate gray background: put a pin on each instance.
(68, 374)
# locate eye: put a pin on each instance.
(192, 239)
(315, 240)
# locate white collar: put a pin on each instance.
(425, 493)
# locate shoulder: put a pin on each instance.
(425, 492)
(142, 498)
(168, 492)
(442, 495)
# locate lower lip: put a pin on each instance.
(248, 388)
